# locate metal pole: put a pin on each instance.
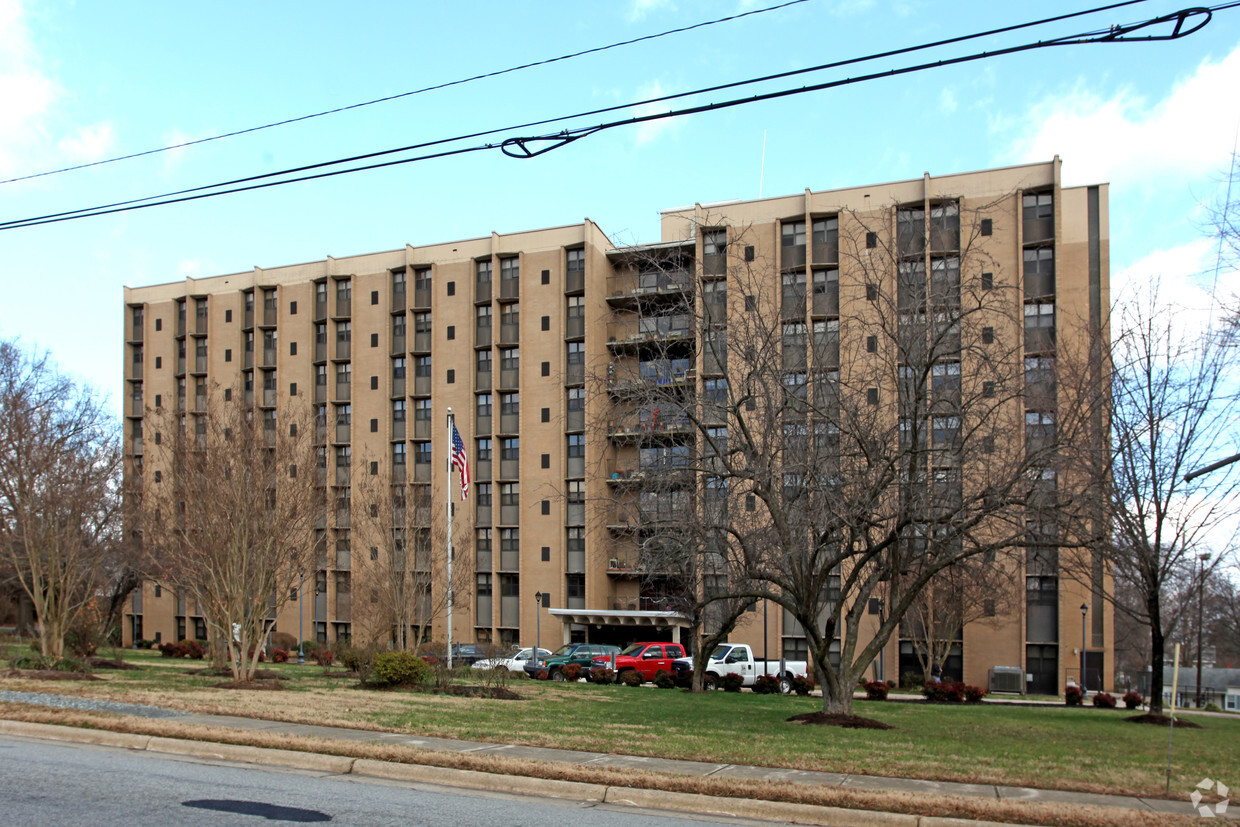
(451, 425)
(537, 629)
(1084, 688)
(1175, 687)
(301, 643)
(764, 629)
(882, 653)
(1201, 588)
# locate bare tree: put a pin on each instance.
(1171, 390)
(403, 575)
(232, 522)
(865, 421)
(970, 592)
(60, 466)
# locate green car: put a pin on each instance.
(582, 654)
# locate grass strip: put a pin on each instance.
(924, 804)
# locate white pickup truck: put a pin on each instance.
(738, 659)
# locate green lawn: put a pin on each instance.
(1082, 749)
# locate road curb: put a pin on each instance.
(474, 780)
(56, 732)
(293, 759)
(752, 808)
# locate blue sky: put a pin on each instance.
(86, 81)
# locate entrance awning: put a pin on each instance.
(602, 617)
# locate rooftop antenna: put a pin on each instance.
(762, 168)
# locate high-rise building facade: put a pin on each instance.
(545, 344)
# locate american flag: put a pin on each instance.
(459, 461)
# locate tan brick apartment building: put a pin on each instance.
(526, 337)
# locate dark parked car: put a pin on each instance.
(582, 654)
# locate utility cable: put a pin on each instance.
(389, 98)
(590, 113)
(1110, 34)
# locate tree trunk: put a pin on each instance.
(1157, 641)
(837, 691)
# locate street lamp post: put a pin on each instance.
(1084, 687)
(1201, 588)
(537, 629)
(301, 637)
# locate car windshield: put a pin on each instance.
(566, 649)
(524, 654)
(720, 652)
(633, 649)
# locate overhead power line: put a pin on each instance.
(401, 95)
(520, 147)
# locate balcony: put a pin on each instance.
(792, 256)
(421, 472)
(826, 252)
(630, 429)
(631, 289)
(633, 383)
(650, 330)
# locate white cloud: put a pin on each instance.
(852, 8)
(27, 93)
(90, 143)
(1186, 284)
(638, 9)
(194, 267)
(947, 101)
(1190, 131)
(651, 131)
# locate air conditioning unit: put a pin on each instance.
(1007, 679)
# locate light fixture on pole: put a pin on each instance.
(301, 638)
(1201, 588)
(538, 596)
(1084, 688)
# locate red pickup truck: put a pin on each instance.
(647, 659)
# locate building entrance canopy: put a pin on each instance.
(603, 617)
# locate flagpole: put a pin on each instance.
(448, 492)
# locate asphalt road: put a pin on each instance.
(43, 783)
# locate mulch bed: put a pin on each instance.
(107, 663)
(497, 693)
(49, 675)
(260, 685)
(836, 719)
(225, 672)
(339, 673)
(1161, 720)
